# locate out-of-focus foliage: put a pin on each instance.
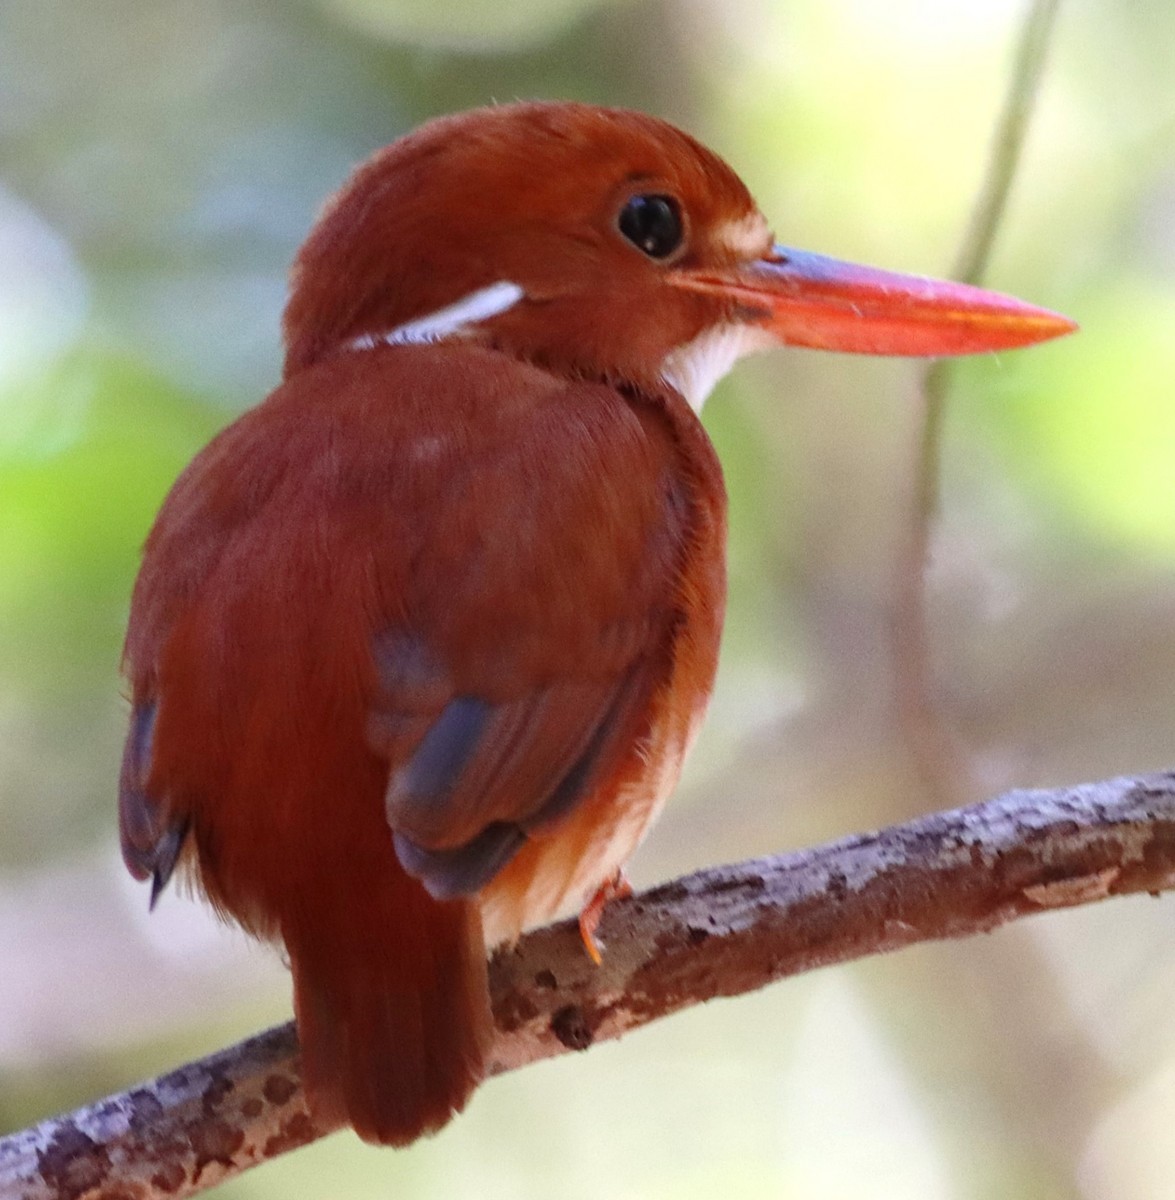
(472, 26)
(159, 163)
(1112, 392)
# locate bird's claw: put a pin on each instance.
(615, 887)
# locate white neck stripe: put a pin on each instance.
(451, 320)
(695, 367)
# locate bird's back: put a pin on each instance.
(384, 546)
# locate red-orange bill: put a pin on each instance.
(811, 300)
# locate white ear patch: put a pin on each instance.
(745, 237)
(450, 321)
(694, 368)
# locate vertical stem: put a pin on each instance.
(939, 758)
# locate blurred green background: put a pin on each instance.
(160, 160)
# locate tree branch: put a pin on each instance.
(719, 932)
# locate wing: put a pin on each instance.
(219, 500)
(540, 612)
(483, 776)
(476, 559)
(151, 841)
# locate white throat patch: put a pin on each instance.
(451, 321)
(695, 367)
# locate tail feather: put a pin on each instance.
(393, 1013)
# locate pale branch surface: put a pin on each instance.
(719, 932)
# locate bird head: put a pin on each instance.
(603, 244)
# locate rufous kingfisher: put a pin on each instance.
(419, 643)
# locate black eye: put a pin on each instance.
(652, 224)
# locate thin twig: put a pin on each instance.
(720, 932)
(934, 747)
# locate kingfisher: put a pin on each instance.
(419, 644)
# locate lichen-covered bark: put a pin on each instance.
(720, 932)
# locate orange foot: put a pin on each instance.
(615, 887)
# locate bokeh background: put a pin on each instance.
(159, 162)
